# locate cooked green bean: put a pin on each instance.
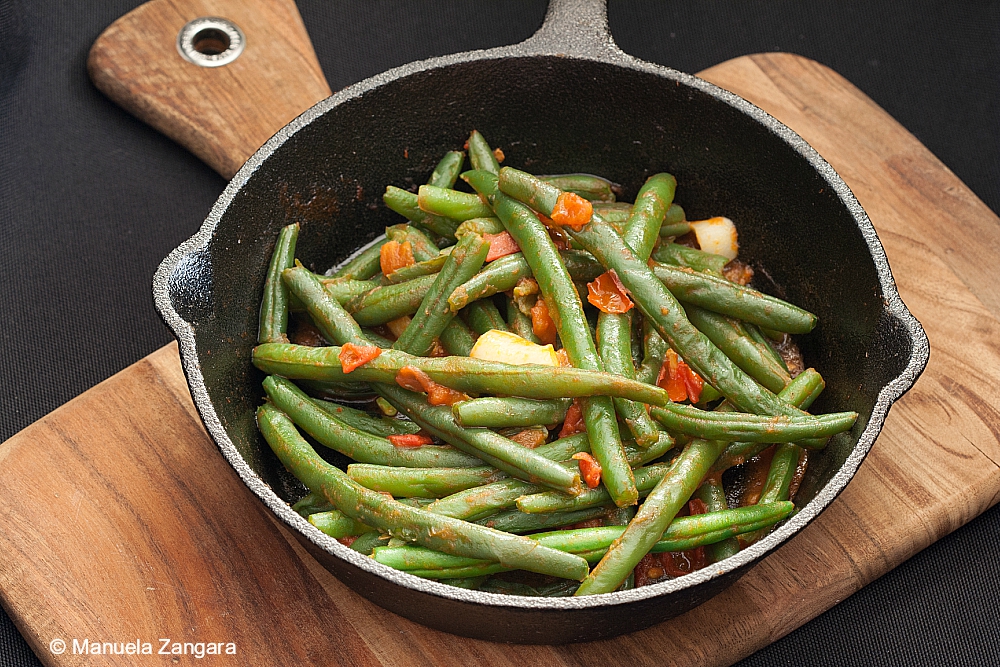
(731, 337)
(745, 427)
(452, 203)
(423, 248)
(503, 274)
(273, 322)
(496, 412)
(483, 316)
(520, 323)
(461, 373)
(722, 296)
(480, 226)
(354, 443)
(513, 521)
(434, 313)
(336, 524)
(447, 170)
(322, 307)
(713, 495)
(431, 530)
(426, 268)
(587, 186)
(312, 503)
(457, 338)
(690, 258)
(420, 482)
(675, 222)
(405, 203)
(614, 344)
(365, 264)
(481, 155)
(389, 302)
(566, 311)
(366, 543)
(654, 349)
(363, 421)
(546, 501)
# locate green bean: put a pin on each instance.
(614, 345)
(617, 213)
(457, 338)
(654, 350)
(423, 248)
(675, 222)
(274, 305)
(800, 392)
(447, 170)
(481, 155)
(513, 521)
(434, 313)
(520, 323)
(318, 303)
(363, 265)
(474, 376)
(452, 203)
(426, 268)
(338, 391)
(494, 412)
(653, 517)
(690, 258)
(546, 501)
(480, 226)
(713, 495)
(483, 316)
(341, 289)
(336, 524)
(587, 186)
(312, 503)
(420, 482)
(367, 543)
(405, 203)
(354, 443)
(722, 296)
(683, 533)
(363, 421)
(731, 337)
(389, 302)
(566, 310)
(425, 528)
(482, 501)
(779, 476)
(744, 427)
(374, 338)
(491, 447)
(765, 344)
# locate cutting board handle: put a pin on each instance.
(222, 114)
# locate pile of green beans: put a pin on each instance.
(460, 489)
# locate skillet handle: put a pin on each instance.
(574, 28)
(222, 114)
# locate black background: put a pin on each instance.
(91, 200)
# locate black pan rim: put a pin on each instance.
(605, 53)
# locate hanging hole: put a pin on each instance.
(210, 41)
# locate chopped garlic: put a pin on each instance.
(717, 236)
(509, 348)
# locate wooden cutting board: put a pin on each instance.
(122, 522)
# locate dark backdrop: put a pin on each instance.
(91, 200)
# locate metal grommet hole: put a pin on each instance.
(210, 41)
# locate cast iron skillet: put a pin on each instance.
(565, 100)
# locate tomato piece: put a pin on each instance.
(542, 324)
(574, 420)
(414, 379)
(608, 294)
(530, 438)
(590, 469)
(352, 356)
(572, 210)
(501, 245)
(410, 440)
(693, 383)
(347, 540)
(670, 377)
(394, 255)
(498, 154)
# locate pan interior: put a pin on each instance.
(549, 115)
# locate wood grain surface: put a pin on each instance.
(221, 114)
(122, 521)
